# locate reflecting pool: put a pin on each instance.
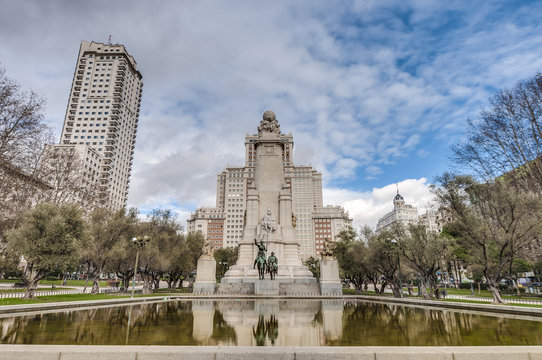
(269, 323)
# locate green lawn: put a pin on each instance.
(72, 282)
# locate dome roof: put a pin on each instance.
(398, 197)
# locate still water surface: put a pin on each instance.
(269, 323)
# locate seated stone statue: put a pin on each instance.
(207, 250)
(328, 249)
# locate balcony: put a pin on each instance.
(78, 83)
(121, 73)
(106, 167)
(111, 141)
(114, 117)
(73, 106)
(112, 136)
(82, 66)
(113, 122)
(79, 77)
(71, 117)
(72, 112)
(81, 72)
(122, 67)
(69, 123)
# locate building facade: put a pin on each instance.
(305, 184)
(406, 215)
(103, 113)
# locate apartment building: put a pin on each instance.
(103, 113)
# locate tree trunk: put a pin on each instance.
(95, 285)
(31, 279)
(156, 282)
(147, 283)
(86, 283)
(396, 290)
(514, 281)
(425, 294)
(181, 283)
(497, 299)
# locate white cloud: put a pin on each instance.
(359, 85)
(365, 208)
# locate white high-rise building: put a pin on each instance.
(311, 217)
(103, 113)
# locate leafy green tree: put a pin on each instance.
(48, 239)
(157, 256)
(384, 255)
(105, 230)
(313, 264)
(424, 252)
(225, 257)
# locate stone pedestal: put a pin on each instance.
(266, 287)
(205, 283)
(330, 283)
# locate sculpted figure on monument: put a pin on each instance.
(260, 259)
(267, 225)
(269, 123)
(207, 250)
(327, 251)
(272, 265)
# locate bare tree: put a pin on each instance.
(496, 223)
(65, 168)
(22, 137)
(507, 136)
(22, 130)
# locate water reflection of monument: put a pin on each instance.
(272, 322)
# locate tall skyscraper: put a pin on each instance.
(224, 224)
(102, 114)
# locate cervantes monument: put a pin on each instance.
(269, 220)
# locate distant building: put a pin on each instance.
(402, 213)
(313, 221)
(103, 114)
(210, 223)
(406, 215)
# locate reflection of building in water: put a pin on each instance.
(282, 323)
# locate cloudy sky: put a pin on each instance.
(374, 92)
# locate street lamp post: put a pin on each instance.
(140, 242)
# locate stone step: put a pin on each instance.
(299, 289)
(235, 289)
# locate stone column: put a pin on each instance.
(330, 283)
(205, 276)
(246, 246)
(291, 245)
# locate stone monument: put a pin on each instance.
(206, 272)
(269, 219)
(330, 283)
